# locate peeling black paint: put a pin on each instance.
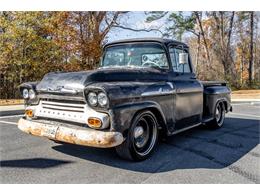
(178, 100)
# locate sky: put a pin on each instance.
(134, 20)
(137, 20)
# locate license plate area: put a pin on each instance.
(50, 131)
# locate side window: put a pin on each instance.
(174, 53)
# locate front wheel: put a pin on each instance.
(141, 139)
(219, 116)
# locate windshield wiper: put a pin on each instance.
(131, 66)
(121, 66)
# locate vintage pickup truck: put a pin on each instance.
(143, 89)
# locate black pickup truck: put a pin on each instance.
(143, 89)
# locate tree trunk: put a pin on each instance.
(203, 36)
(229, 59)
(250, 70)
(198, 51)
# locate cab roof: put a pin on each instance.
(159, 40)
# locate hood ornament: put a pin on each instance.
(61, 89)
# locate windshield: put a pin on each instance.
(136, 55)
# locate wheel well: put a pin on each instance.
(224, 102)
(159, 118)
(225, 105)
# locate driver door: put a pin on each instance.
(189, 92)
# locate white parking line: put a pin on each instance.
(247, 115)
(7, 122)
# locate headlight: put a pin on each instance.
(102, 99)
(32, 94)
(92, 99)
(25, 93)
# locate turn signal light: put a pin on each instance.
(29, 113)
(94, 122)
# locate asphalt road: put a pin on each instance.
(227, 155)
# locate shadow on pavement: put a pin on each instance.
(197, 148)
(37, 163)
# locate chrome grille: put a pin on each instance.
(52, 105)
(70, 110)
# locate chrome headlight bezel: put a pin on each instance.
(25, 93)
(32, 94)
(102, 99)
(92, 98)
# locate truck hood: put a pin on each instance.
(76, 81)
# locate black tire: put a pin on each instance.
(56, 141)
(219, 116)
(141, 139)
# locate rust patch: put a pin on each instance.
(29, 129)
(85, 137)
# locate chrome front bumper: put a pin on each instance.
(71, 133)
(78, 113)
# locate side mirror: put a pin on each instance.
(183, 58)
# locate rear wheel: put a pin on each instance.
(141, 139)
(219, 116)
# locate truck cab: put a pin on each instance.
(143, 89)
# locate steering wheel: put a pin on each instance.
(148, 63)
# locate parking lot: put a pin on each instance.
(227, 155)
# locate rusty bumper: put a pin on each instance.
(71, 134)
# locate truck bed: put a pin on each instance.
(213, 83)
(214, 91)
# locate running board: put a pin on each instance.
(205, 120)
(186, 128)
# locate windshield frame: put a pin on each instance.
(163, 46)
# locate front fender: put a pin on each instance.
(122, 115)
(28, 85)
(127, 98)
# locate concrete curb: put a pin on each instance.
(245, 100)
(11, 112)
(248, 101)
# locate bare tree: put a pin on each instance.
(251, 59)
(221, 37)
(202, 33)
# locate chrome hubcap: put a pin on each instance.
(144, 134)
(141, 134)
(140, 137)
(138, 131)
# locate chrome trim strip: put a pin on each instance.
(61, 104)
(170, 84)
(71, 91)
(61, 97)
(58, 91)
(155, 93)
